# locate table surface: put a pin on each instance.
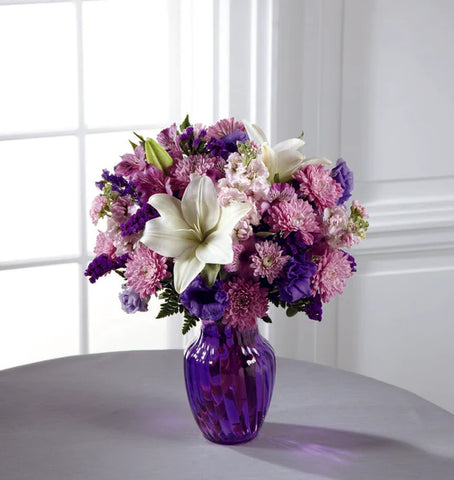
(125, 416)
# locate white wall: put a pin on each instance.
(373, 81)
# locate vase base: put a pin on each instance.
(232, 441)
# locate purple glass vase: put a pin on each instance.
(229, 378)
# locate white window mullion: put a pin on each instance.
(83, 259)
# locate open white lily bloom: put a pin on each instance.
(195, 231)
(285, 158)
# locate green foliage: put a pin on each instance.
(171, 302)
(171, 305)
(189, 322)
(186, 123)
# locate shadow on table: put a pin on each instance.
(344, 455)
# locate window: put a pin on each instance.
(81, 76)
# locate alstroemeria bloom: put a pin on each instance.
(285, 158)
(194, 230)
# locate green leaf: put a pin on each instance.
(186, 123)
(139, 137)
(189, 322)
(157, 155)
(133, 145)
(291, 311)
(210, 273)
(267, 319)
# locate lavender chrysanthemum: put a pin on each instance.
(269, 260)
(145, 270)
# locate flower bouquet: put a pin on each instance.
(218, 223)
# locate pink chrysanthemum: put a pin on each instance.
(268, 261)
(296, 216)
(182, 169)
(104, 244)
(281, 192)
(248, 301)
(132, 163)
(97, 206)
(224, 127)
(319, 187)
(145, 270)
(333, 269)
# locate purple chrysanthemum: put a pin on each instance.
(248, 301)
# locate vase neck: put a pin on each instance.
(221, 330)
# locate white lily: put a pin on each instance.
(285, 158)
(195, 231)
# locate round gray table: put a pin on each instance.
(125, 416)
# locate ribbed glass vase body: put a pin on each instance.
(229, 378)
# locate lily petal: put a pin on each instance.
(169, 209)
(200, 204)
(290, 144)
(317, 161)
(167, 238)
(231, 215)
(217, 248)
(187, 266)
(255, 133)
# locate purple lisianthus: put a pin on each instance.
(224, 146)
(344, 176)
(131, 302)
(314, 308)
(206, 303)
(296, 281)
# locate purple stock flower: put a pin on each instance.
(119, 184)
(103, 264)
(224, 146)
(296, 281)
(136, 222)
(206, 303)
(344, 176)
(131, 302)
